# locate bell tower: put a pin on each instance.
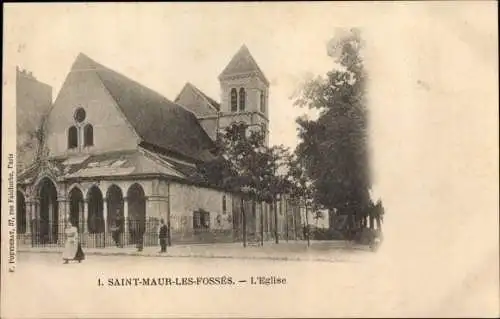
(245, 93)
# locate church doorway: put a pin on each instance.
(76, 208)
(49, 218)
(137, 213)
(21, 213)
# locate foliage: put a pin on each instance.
(245, 164)
(333, 148)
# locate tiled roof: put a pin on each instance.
(155, 119)
(120, 163)
(242, 62)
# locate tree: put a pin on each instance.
(31, 146)
(300, 187)
(245, 165)
(278, 183)
(334, 148)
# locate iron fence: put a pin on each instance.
(143, 233)
(138, 233)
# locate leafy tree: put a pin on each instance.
(244, 164)
(333, 148)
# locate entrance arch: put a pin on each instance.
(137, 212)
(48, 225)
(95, 221)
(114, 198)
(76, 208)
(21, 213)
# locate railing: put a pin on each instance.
(132, 233)
(143, 233)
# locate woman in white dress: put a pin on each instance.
(72, 248)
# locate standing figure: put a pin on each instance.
(117, 229)
(72, 248)
(163, 235)
(139, 233)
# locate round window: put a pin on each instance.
(80, 115)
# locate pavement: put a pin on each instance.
(329, 251)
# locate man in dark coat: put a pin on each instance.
(139, 235)
(163, 235)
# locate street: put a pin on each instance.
(42, 286)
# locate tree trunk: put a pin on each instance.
(254, 216)
(275, 205)
(244, 224)
(307, 229)
(261, 224)
(286, 219)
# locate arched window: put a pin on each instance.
(88, 133)
(234, 100)
(262, 101)
(242, 99)
(72, 137)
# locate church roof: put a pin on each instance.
(211, 101)
(241, 63)
(155, 119)
(112, 164)
(210, 107)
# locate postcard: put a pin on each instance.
(250, 159)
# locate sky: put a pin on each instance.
(433, 88)
(164, 46)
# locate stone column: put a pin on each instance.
(67, 210)
(80, 217)
(62, 218)
(105, 213)
(125, 221)
(28, 217)
(156, 207)
(35, 217)
(85, 216)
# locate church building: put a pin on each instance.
(110, 149)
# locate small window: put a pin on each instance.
(262, 101)
(234, 100)
(88, 132)
(72, 137)
(242, 99)
(80, 115)
(201, 220)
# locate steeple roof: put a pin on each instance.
(242, 63)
